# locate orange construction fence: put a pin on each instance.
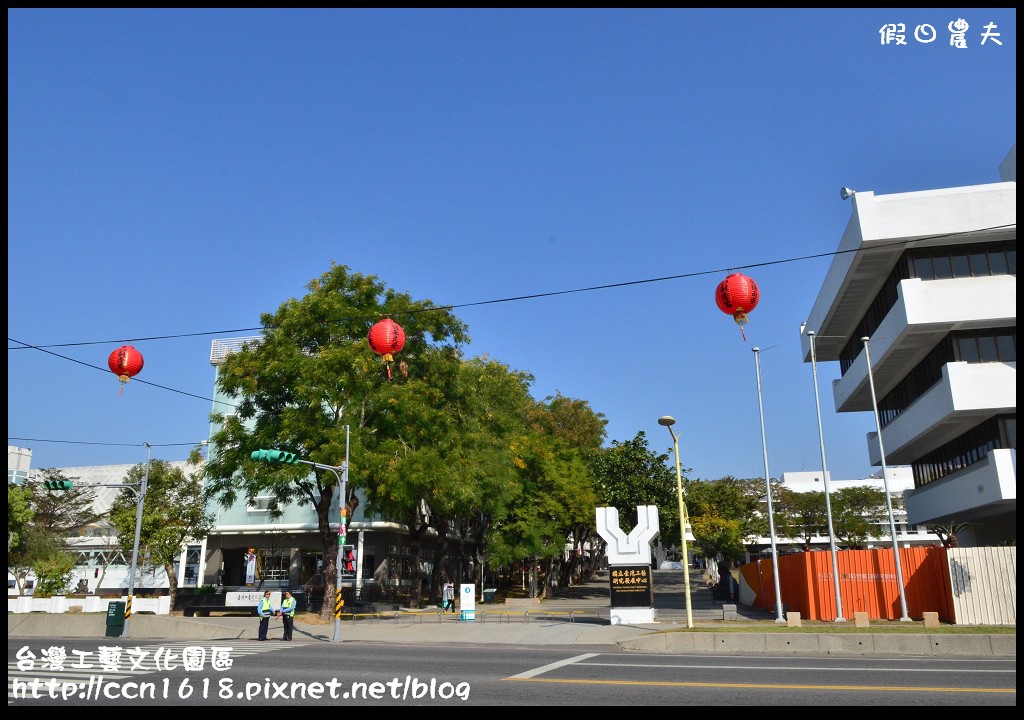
(867, 583)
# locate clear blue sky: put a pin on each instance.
(176, 172)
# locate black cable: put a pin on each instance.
(627, 283)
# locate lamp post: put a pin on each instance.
(768, 484)
(140, 496)
(824, 474)
(885, 482)
(668, 421)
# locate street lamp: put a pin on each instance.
(768, 483)
(668, 421)
(140, 496)
(885, 482)
(824, 477)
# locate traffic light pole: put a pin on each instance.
(341, 474)
(343, 512)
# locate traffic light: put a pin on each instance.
(58, 484)
(275, 456)
(347, 560)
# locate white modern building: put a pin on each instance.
(930, 278)
(101, 564)
(900, 481)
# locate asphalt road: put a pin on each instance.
(275, 673)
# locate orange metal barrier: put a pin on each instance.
(867, 583)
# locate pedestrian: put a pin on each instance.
(265, 609)
(448, 596)
(288, 615)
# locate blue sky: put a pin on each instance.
(179, 172)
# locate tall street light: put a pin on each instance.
(668, 421)
(824, 474)
(768, 483)
(140, 496)
(885, 481)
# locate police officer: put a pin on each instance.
(265, 609)
(288, 615)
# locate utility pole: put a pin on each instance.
(341, 474)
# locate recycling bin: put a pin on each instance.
(115, 618)
(489, 594)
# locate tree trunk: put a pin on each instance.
(329, 542)
(172, 582)
(416, 580)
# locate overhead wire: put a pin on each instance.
(553, 293)
(42, 348)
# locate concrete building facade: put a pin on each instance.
(930, 278)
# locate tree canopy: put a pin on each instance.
(173, 513)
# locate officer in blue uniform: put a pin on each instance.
(265, 609)
(288, 615)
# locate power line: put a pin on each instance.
(42, 348)
(516, 298)
(138, 339)
(107, 370)
(84, 442)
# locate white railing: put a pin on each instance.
(90, 604)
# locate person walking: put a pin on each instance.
(448, 596)
(288, 615)
(265, 609)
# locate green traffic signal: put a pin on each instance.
(58, 484)
(275, 456)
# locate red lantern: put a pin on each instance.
(737, 295)
(125, 362)
(386, 338)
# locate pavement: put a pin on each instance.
(580, 616)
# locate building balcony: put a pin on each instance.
(967, 394)
(976, 492)
(880, 230)
(927, 310)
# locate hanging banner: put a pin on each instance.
(250, 567)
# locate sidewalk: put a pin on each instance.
(578, 616)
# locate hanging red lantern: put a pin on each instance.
(125, 362)
(386, 338)
(737, 295)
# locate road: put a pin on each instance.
(275, 673)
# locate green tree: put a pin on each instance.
(19, 514)
(173, 513)
(800, 515)
(582, 431)
(64, 512)
(447, 456)
(714, 535)
(948, 532)
(557, 499)
(858, 514)
(21, 551)
(723, 513)
(53, 570)
(629, 474)
(40, 542)
(311, 376)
